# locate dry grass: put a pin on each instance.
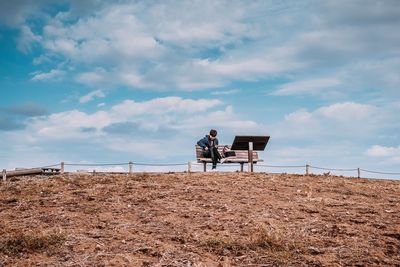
(225, 246)
(277, 239)
(265, 244)
(21, 243)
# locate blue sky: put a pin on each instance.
(95, 81)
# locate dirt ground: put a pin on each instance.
(212, 219)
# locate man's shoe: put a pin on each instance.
(222, 160)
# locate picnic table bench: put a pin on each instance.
(241, 157)
(30, 171)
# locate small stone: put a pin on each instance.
(314, 251)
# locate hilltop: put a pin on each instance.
(199, 219)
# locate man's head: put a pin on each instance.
(213, 134)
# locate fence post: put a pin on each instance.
(250, 157)
(307, 169)
(130, 167)
(358, 173)
(62, 167)
(189, 167)
(4, 175)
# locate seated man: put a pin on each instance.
(209, 144)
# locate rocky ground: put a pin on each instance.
(212, 219)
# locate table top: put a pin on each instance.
(241, 142)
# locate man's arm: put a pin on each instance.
(202, 143)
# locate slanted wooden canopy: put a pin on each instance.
(250, 143)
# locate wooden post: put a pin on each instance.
(307, 169)
(4, 175)
(130, 167)
(358, 173)
(62, 167)
(205, 166)
(250, 157)
(189, 167)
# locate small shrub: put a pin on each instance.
(269, 244)
(275, 239)
(222, 246)
(29, 243)
(263, 238)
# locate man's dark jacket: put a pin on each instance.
(206, 142)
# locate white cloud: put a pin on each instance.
(156, 46)
(226, 92)
(223, 119)
(373, 74)
(152, 116)
(348, 112)
(108, 36)
(51, 75)
(72, 124)
(92, 78)
(300, 124)
(41, 59)
(339, 119)
(155, 149)
(92, 95)
(385, 156)
(313, 86)
(14, 13)
(26, 39)
(132, 79)
(190, 46)
(252, 64)
(63, 46)
(383, 151)
(138, 128)
(165, 105)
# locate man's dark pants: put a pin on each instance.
(213, 154)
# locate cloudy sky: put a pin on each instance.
(95, 81)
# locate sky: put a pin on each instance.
(116, 81)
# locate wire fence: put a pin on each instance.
(385, 173)
(95, 164)
(281, 166)
(194, 166)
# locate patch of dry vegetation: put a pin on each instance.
(23, 243)
(265, 244)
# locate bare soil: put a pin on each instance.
(199, 219)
